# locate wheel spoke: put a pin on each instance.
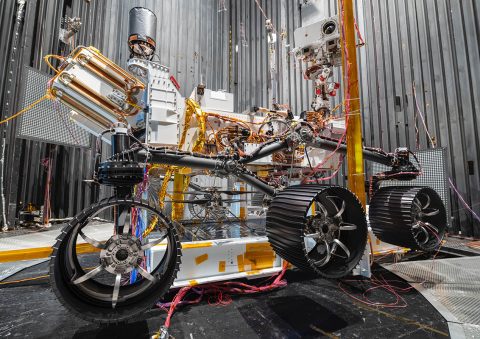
(339, 211)
(420, 229)
(429, 225)
(121, 220)
(145, 274)
(343, 247)
(128, 221)
(91, 241)
(328, 256)
(427, 236)
(428, 201)
(88, 275)
(322, 208)
(332, 200)
(312, 235)
(417, 203)
(345, 226)
(430, 214)
(153, 243)
(116, 290)
(339, 214)
(334, 250)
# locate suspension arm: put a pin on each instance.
(399, 161)
(331, 145)
(265, 151)
(181, 160)
(321, 142)
(225, 166)
(229, 165)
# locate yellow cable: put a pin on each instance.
(46, 96)
(150, 227)
(47, 61)
(163, 190)
(408, 321)
(23, 280)
(34, 278)
(190, 108)
(202, 130)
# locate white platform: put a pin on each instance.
(223, 259)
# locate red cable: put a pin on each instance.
(219, 293)
(333, 175)
(381, 283)
(359, 35)
(178, 298)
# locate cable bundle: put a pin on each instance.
(217, 294)
(380, 284)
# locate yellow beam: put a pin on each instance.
(39, 253)
(44, 252)
(356, 174)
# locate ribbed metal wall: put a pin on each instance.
(26, 177)
(432, 43)
(192, 37)
(251, 75)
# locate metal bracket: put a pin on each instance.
(117, 97)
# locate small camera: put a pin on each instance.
(319, 37)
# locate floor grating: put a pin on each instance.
(452, 286)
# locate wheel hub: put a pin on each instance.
(326, 227)
(122, 253)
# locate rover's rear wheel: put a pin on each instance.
(102, 272)
(413, 217)
(318, 228)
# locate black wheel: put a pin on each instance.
(411, 217)
(318, 228)
(104, 271)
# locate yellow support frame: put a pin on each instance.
(356, 174)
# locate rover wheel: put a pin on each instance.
(318, 228)
(103, 271)
(412, 217)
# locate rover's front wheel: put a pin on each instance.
(102, 268)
